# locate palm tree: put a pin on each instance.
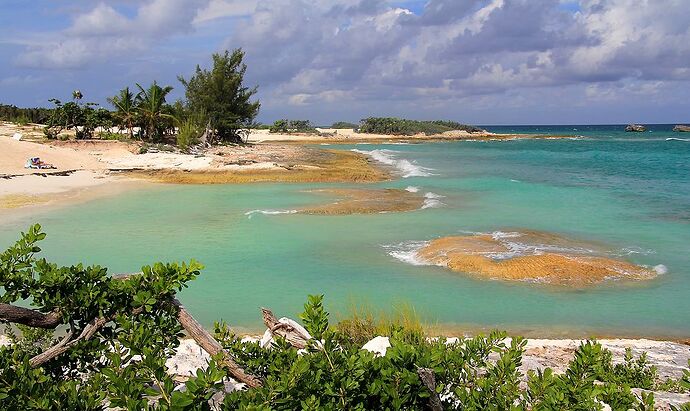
(126, 110)
(151, 108)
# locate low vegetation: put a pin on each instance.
(399, 126)
(292, 126)
(344, 124)
(120, 331)
(23, 116)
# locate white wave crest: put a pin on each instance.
(250, 214)
(405, 167)
(677, 139)
(431, 200)
(407, 252)
(412, 189)
(660, 269)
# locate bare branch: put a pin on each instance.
(26, 316)
(213, 347)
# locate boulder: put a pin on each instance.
(635, 128)
(682, 128)
(378, 345)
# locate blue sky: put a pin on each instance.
(475, 61)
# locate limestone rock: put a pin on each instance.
(378, 345)
(635, 127)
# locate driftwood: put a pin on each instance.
(68, 342)
(429, 380)
(292, 335)
(26, 316)
(211, 346)
(33, 318)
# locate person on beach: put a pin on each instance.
(37, 163)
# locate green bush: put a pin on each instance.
(344, 124)
(189, 133)
(292, 126)
(397, 126)
(23, 116)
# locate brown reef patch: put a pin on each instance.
(531, 256)
(313, 166)
(366, 201)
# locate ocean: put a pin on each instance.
(627, 191)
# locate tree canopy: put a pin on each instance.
(222, 96)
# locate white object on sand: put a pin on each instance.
(17, 136)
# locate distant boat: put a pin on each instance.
(682, 128)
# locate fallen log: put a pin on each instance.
(27, 316)
(213, 347)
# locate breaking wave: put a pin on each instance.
(431, 200)
(406, 168)
(250, 214)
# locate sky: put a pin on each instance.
(473, 61)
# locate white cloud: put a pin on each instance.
(104, 34)
(217, 9)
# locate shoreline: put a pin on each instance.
(349, 136)
(84, 165)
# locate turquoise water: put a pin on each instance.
(629, 191)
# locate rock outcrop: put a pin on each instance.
(532, 256)
(635, 128)
(682, 128)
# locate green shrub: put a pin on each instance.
(188, 133)
(397, 126)
(344, 124)
(292, 126)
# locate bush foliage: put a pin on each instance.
(221, 95)
(344, 124)
(23, 116)
(398, 126)
(123, 367)
(292, 126)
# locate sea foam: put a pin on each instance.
(407, 252)
(431, 200)
(406, 168)
(250, 214)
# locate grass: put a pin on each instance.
(361, 323)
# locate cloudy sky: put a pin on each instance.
(475, 61)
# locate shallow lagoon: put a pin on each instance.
(631, 192)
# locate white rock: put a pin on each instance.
(17, 136)
(378, 345)
(188, 358)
